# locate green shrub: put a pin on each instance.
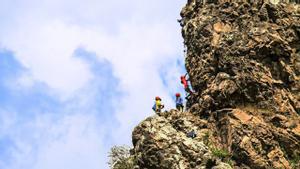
(120, 158)
(295, 162)
(220, 153)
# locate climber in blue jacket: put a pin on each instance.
(179, 102)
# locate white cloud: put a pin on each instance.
(73, 142)
(7, 119)
(47, 51)
(79, 145)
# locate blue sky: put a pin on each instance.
(77, 76)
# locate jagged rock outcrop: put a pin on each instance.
(161, 142)
(243, 60)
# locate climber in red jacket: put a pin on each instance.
(185, 84)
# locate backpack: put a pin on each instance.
(154, 107)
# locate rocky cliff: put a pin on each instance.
(243, 62)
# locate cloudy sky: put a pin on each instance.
(77, 76)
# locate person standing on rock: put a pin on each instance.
(158, 106)
(179, 102)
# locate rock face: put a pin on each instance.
(243, 60)
(162, 142)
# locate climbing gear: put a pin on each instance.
(154, 107)
(192, 134)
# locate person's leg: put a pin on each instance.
(187, 89)
(177, 107)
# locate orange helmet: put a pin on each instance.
(177, 94)
(157, 98)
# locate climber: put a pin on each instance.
(185, 84)
(179, 102)
(158, 106)
(191, 134)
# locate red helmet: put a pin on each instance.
(157, 98)
(177, 94)
(182, 77)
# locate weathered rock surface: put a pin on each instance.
(243, 60)
(161, 142)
